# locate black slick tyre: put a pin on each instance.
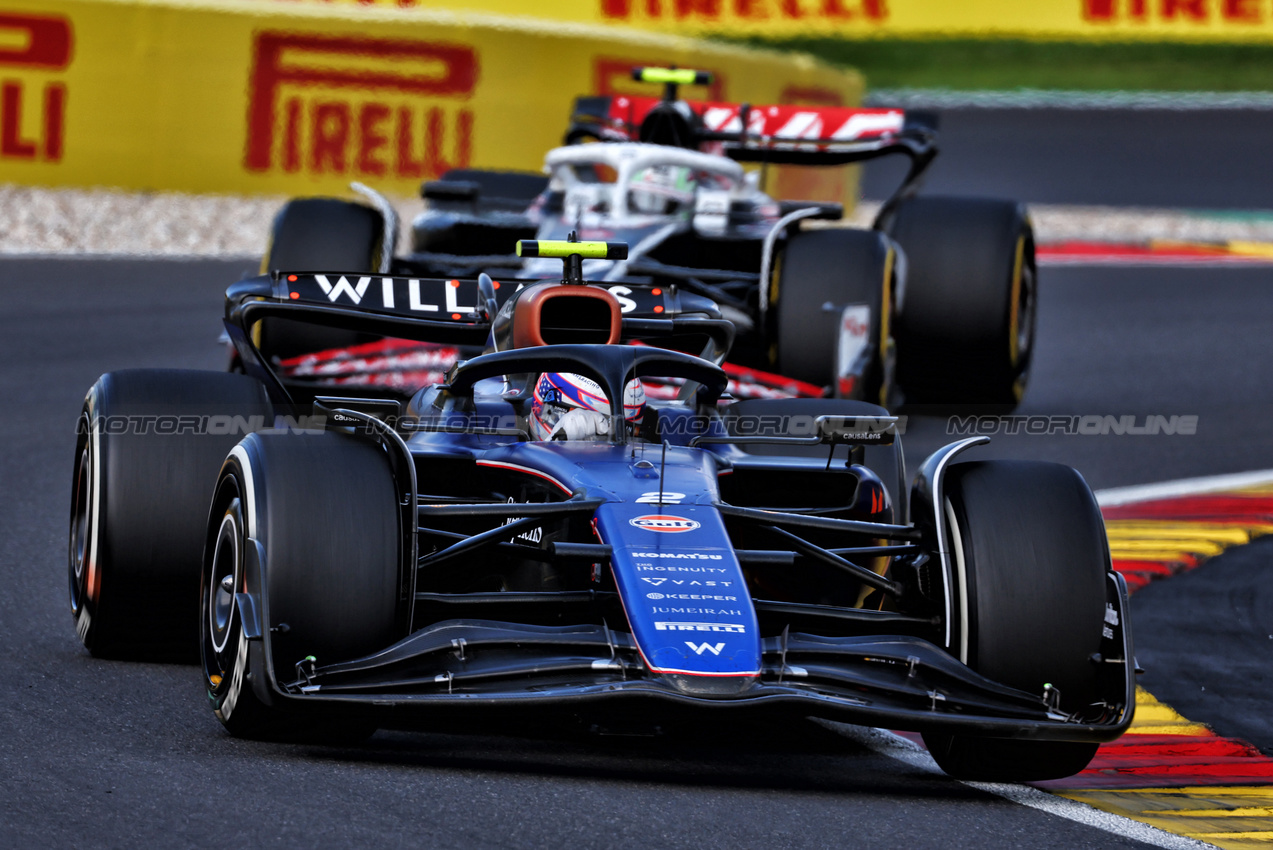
(502, 191)
(1030, 562)
(817, 275)
(319, 235)
(322, 510)
(148, 446)
(966, 316)
(325, 234)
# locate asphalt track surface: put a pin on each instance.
(1218, 617)
(98, 753)
(1216, 159)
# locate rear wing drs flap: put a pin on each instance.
(769, 134)
(746, 130)
(451, 311)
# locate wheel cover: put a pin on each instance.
(224, 579)
(83, 572)
(1021, 318)
(223, 576)
(81, 518)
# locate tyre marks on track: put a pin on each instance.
(1168, 771)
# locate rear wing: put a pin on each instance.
(767, 134)
(449, 311)
(740, 125)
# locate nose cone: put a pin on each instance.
(684, 594)
(695, 650)
(709, 686)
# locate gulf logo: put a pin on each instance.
(664, 523)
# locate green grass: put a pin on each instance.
(1008, 64)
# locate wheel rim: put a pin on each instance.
(223, 580)
(223, 577)
(887, 349)
(1021, 318)
(1025, 316)
(80, 569)
(1025, 333)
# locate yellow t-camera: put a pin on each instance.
(562, 249)
(673, 76)
(572, 254)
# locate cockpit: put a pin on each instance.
(630, 180)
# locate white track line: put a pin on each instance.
(908, 752)
(1183, 487)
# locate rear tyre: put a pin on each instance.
(475, 212)
(818, 274)
(321, 235)
(148, 446)
(966, 319)
(323, 510)
(1031, 560)
(502, 191)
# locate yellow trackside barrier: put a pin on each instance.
(1208, 20)
(254, 96)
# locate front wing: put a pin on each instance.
(476, 666)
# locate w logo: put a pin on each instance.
(700, 648)
(343, 287)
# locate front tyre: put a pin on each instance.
(977, 759)
(1030, 562)
(323, 512)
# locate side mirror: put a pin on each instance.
(857, 430)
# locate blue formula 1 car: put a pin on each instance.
(538, 534)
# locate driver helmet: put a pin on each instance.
(567, 406)
(661, 190)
